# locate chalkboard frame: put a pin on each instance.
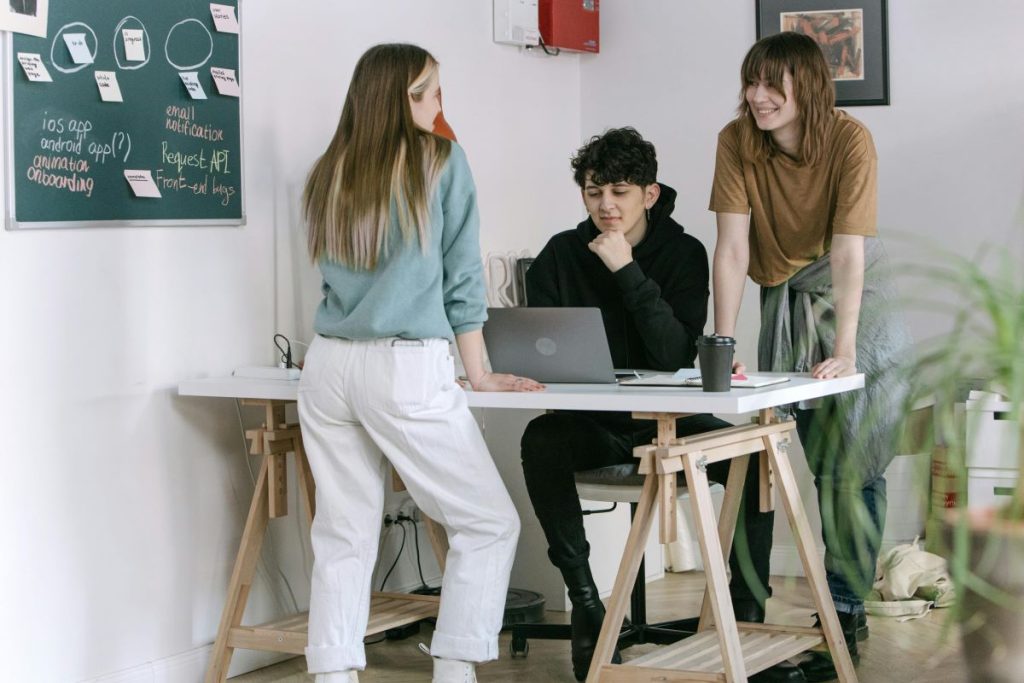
(10, 199)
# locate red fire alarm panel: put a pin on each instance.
(571, 24)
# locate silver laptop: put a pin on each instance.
(549, 344)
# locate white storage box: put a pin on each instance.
(907, 480)
(993, 433)
(989, 487)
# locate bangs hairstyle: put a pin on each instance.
(620, 155)
(377, 156)
(769, 59)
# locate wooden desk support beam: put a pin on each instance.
(275, 443)
(711, 441)
(628, 568)
(727, 519)
(767, 478)
(272, 442)
(737, 650)
(717, 579)
(277, 485)
(813, 567)
(241, 578)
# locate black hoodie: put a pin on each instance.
(654, 308)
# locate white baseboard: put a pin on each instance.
(785, 559)
(190, 667)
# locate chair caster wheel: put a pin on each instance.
(519, 648)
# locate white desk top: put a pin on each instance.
(577, 396)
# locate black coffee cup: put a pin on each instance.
(715, 354)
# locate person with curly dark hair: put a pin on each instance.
(650, 279)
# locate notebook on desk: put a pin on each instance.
(551, 345)
(688, 377)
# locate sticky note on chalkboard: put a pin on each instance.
(78, 48)
(34, 68)
(225, 80)
(142, 183)
(134, 48)
(224, 18)
(110, 91)
(192, 84)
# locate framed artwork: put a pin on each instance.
(24, 16)
(853, 37)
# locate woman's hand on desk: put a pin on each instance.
(837, 366)
(471, 349)
(499, 381)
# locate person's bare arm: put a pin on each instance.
(847, 257)
(471, 349)
(732, 257)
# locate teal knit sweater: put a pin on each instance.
(412, 294)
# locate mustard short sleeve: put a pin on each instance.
(856, 210)
(728, 190)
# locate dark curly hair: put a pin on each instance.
(619, 155)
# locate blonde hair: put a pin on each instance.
(769, 59)
(377, 156)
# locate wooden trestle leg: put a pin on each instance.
(272, 442)
(813, 567)
(721, 650)
(241, 577)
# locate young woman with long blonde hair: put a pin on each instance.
(393, 225)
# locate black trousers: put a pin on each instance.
(556, 445)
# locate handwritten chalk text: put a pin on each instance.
(39, 172)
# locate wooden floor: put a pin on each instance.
(919, 651)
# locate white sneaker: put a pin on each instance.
(347, 676)
(451, 670)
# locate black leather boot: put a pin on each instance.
(862, 626)
(586, 620)
(784, 672)
(820, 667)
(748, 610)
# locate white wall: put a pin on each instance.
(508, 109)
(123, 503)
(949, 144)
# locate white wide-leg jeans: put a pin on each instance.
(363, 404)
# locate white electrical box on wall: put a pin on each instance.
(516, 22)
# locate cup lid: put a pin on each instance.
(716, 340)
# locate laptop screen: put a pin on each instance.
(551, 345)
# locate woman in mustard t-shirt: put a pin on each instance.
(795, 191)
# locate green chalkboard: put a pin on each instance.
(68, 150)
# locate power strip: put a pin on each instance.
(259, 372)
